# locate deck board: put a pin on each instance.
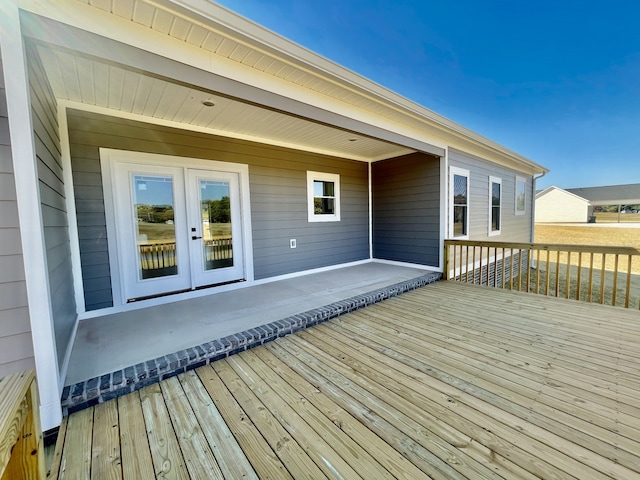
(167, 458)
(450, 381)
(105, 456)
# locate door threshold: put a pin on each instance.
(176, 292)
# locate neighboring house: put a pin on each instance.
(138, 134)
(555, 205)
(610, 195)
(576, 205)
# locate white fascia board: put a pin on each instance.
(30, 214)
(541, 193)
(258, 37)
(553, 187)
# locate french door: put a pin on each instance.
(177, 228)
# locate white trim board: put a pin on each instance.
(453, 170)
(30, 214)
(444, 196)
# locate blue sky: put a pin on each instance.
(556, 81)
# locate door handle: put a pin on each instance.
(193, 237)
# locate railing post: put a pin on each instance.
(446, 262)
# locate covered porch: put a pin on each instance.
(448, 381)
(108, 95)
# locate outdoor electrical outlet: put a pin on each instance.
(292, 243)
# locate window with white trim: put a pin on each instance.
(459, 203)
(323, 197)
(495, 206)
(521, 196)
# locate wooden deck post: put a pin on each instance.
(21, 455)
(446, 262)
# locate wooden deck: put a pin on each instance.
(450, 381)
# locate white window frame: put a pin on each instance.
(324, 177)
(462, 173)
(515, 206)
(493, 180)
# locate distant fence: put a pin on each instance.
(601, 274)
(161, 257)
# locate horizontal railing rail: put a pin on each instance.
(601, 274)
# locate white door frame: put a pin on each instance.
(109, 156)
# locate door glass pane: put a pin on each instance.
(215, 206)
(155, 229)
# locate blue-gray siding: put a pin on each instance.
(16, 347)
(515, 228)
(277, 179)
(53, 204)
(406, 209)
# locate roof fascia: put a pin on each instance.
(435, 134)
(553, 187)
(487, 155)
(545, 191)
(260, 37)
(629, 201)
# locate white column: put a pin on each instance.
(30, 214)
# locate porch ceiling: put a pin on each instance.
(123, 91)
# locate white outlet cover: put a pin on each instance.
(292, 243)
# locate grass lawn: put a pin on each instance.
(584, 235)
(611, 217)
(588, 235)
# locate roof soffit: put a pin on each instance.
(209, 37)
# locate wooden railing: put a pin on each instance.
(602, 274)
(21, 454)
(157, 256)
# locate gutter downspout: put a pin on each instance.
(533, 206)
(532, 262)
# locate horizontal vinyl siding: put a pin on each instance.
(406, 211)
(515, 228)
(16, 346)
(53, 204)
(92, 229)
(277, 178)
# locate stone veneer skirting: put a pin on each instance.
(121, 382)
